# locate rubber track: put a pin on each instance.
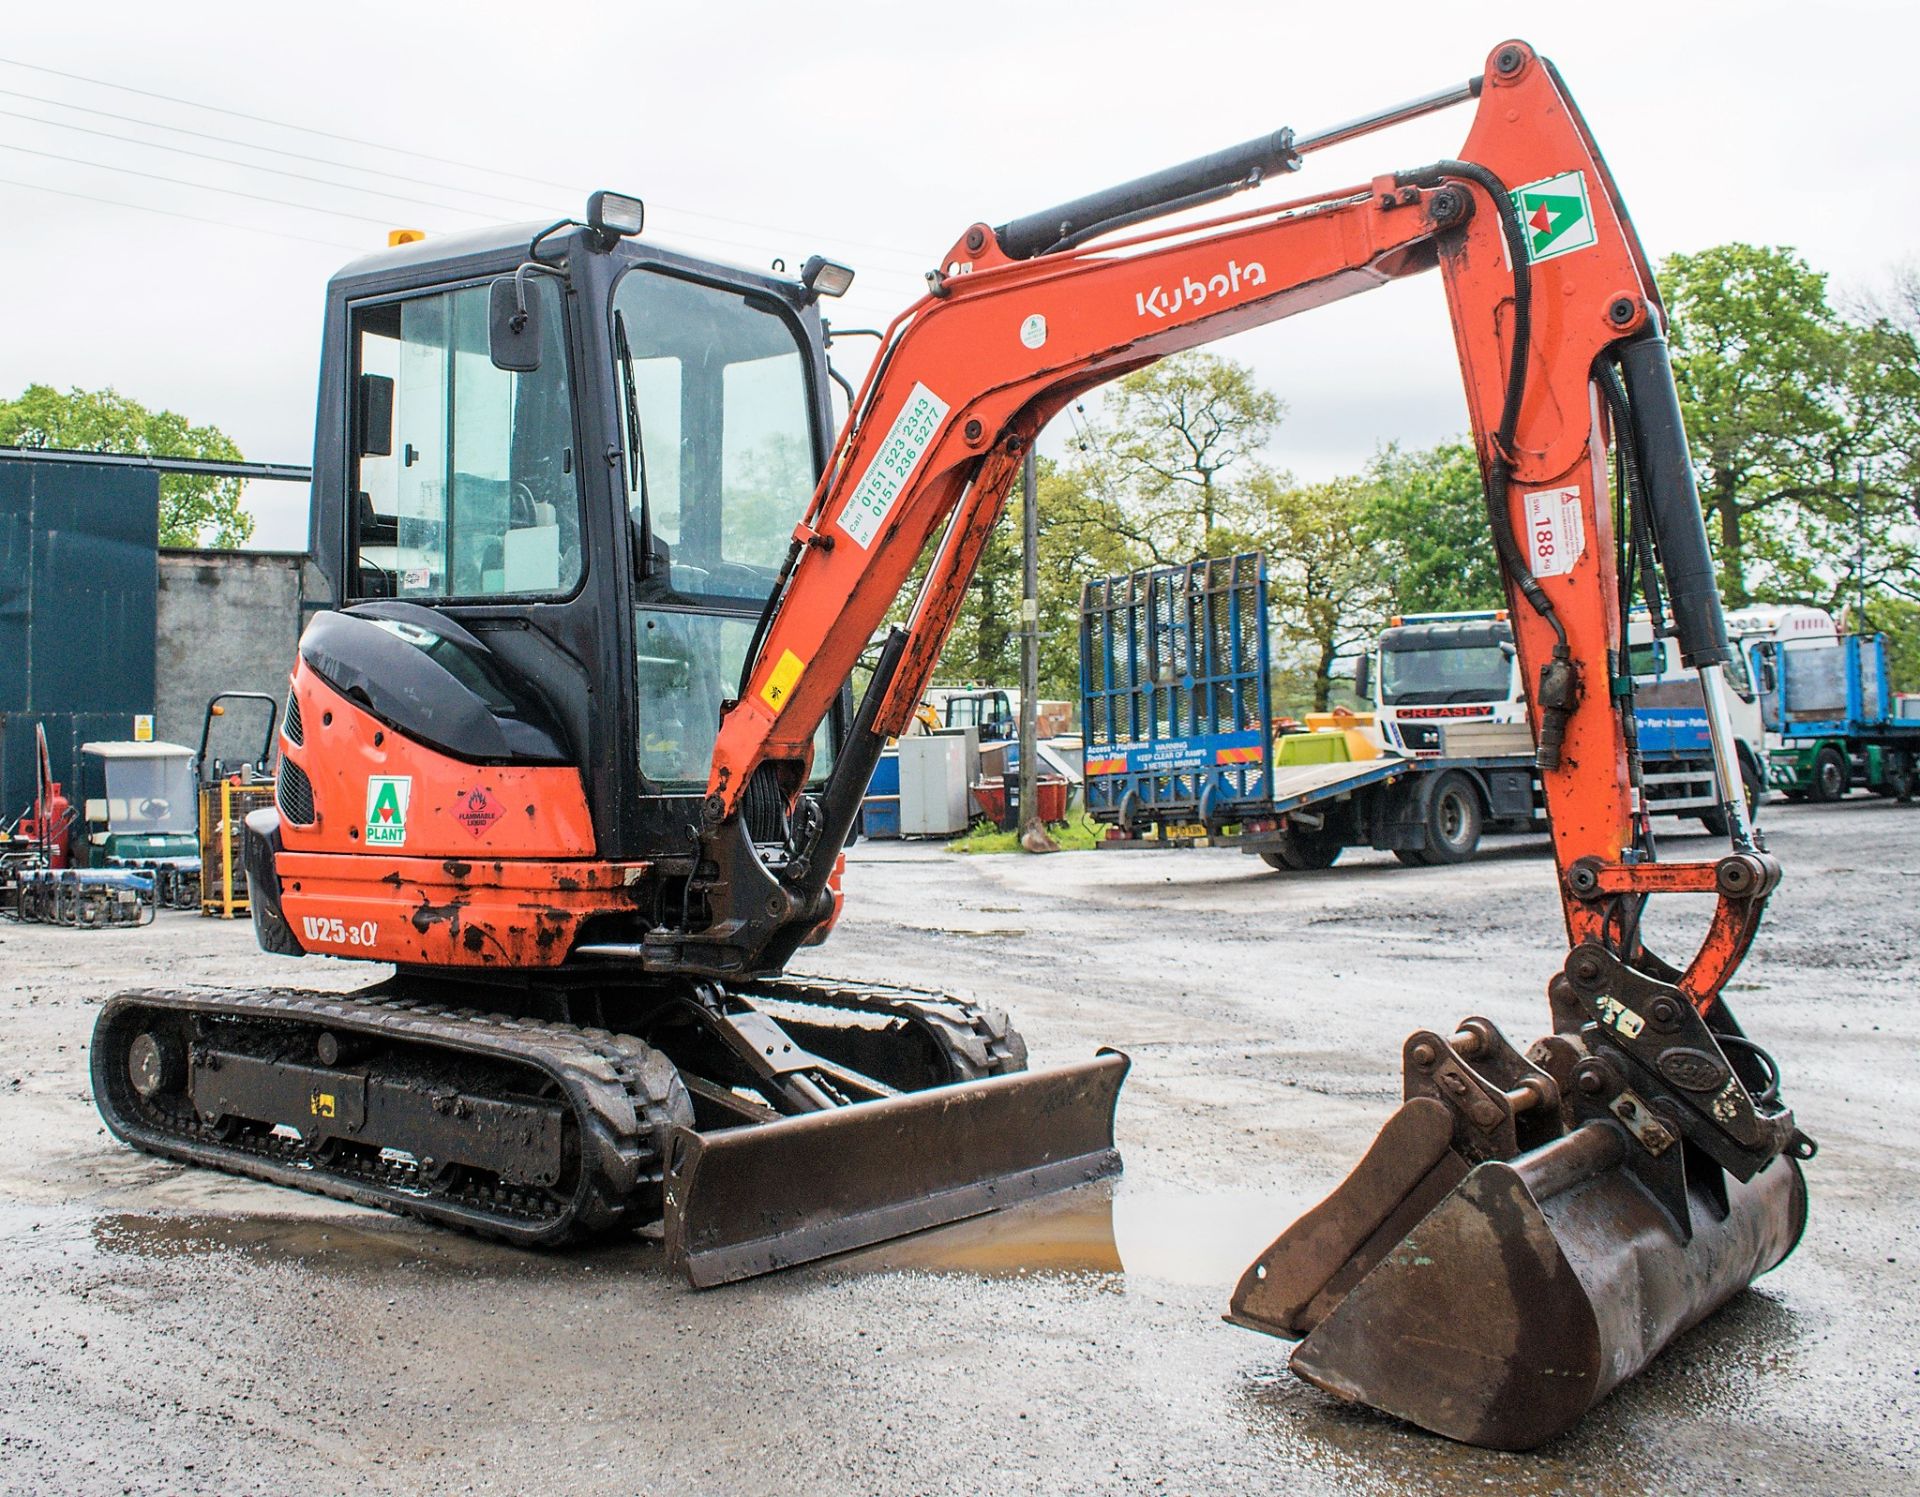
(625, 1096)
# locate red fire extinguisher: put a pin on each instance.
(52, 822)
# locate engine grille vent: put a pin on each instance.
(291, 724)
(295, 794)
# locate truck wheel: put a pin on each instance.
(1454, 821)
(1304, 850)
(1832, 778)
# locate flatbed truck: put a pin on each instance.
(1181, 748)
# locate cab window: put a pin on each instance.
(720, 392)
(465, 481)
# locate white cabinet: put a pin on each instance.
(933, 785)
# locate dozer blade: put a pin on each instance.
(1533, 1287)
(750, 1200)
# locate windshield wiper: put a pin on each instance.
(637, 454)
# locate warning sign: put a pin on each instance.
(476, 810)
(1556, 531)
(781, 680)
(1556, 214)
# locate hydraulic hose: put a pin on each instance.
(1558, 690)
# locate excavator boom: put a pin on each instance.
(1541, 1224)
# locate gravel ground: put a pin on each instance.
(168, 1331)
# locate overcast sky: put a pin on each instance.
(874, 132)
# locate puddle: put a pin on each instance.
(323, 1243)
(1203, 1240)
(1097, 1231)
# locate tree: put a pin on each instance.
(1764, 365)
(1426, 512)
(1178, 452)
(107, 421)
(1327, 588)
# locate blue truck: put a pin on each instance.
(1833, 719)
(1181, 747)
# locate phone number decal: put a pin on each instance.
(907, 442)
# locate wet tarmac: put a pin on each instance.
(162, 1330)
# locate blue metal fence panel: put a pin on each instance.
(1175, 692)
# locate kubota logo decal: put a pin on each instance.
(1192, 294)
(387, 798)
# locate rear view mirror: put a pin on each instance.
(513, 326)
(373, 415)
(1363, 678)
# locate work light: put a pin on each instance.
(823, 277)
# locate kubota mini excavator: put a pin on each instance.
(576, 754)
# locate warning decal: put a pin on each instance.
(476, 810)
(1556, 531)
(780, 684)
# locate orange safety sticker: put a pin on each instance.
(785, 676)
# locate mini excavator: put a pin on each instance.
(577, 752)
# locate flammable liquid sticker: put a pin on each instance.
(906, 443)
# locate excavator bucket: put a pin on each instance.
(1496, 1301)
(750, 1200)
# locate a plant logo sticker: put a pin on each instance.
(1556, 216)
(387, 797)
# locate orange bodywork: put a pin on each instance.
(488, 865)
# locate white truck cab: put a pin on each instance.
(1431, 670)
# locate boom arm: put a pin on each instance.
(1558, 327)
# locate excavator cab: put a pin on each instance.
(619, 500)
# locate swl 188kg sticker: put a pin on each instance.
(1556, 531)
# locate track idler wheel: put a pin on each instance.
(1496, 1300)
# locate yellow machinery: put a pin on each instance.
(229, 789)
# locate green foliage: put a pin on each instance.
(1327, 583)
(1899, 620)
(1427, 513)
(1080, 833)
(1787, 406)
(1178, 451)
(107, 421)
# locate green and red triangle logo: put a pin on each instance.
(1556, 215)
